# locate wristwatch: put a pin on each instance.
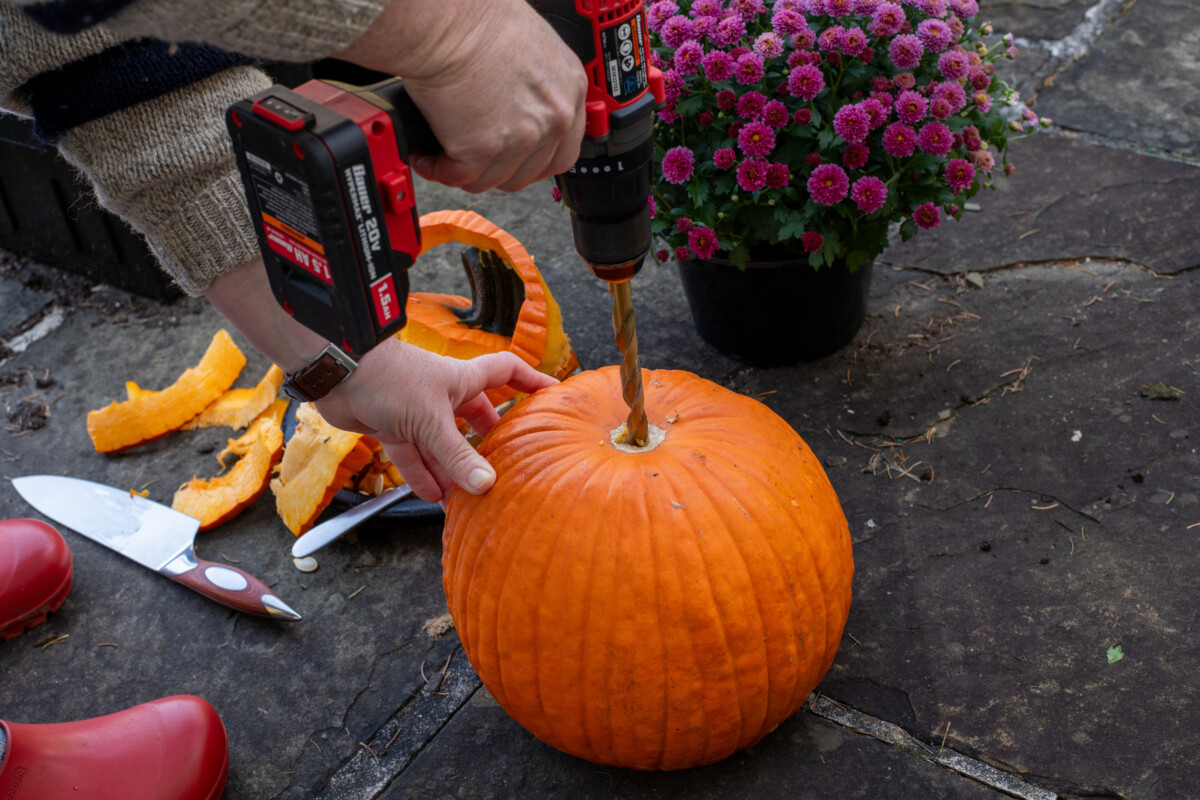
(319, 378)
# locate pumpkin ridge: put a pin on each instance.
(713, 563)
(522, 553)
(713, 613)
(779, 566)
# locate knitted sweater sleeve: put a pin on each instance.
(157, 153)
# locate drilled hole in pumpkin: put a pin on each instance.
(620, 439)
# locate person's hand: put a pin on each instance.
(502, 92)
(408, 398)
(403, 396)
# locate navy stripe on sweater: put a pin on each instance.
(72, 16)
(122, 76)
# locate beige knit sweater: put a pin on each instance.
(166, 165)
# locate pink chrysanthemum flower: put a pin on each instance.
(904, 80)
(668, 114)
(683, 254)
(804, 39)
(831, 38)
(854, 42)
(935, 138)
(659, 13)
(935, 35)
(706, 8)
(980, 80)
(934, 8)
(812, 241)
(706, 118)
(855, 155)
(556, 194)
(984, 160)
(828, 184)
(683, 224)
(652, 205)
(888, 19)
(787, 23)
(703, 25)
(806, 82)
(768, 45)
(905, 51)
(752, 175)
(688, 57)
(982, 101)
(678, 164)
(751, 104)
(899, 140)
(757, 139)
(971, 138)
(775, 114)
(852, 123)
(749, 69)
(959, 174)
(911, 107)
(703, 242)
(677, 30)
(661, 254)
(940, 108)
(876, 110)
(777, 175)
(953, 94)
(927, 216)
(726, 99)
(953, 65)
(964, 9)
(813, 159)
(718, 66)
(866, 8)
(724, 158)
(869, 194)
(797, 58)
(673, 85)
(839, 8)
(727, 32)
(748, 9)
(802, 116)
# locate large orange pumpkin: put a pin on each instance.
(658, 607)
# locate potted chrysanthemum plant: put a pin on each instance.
(801, 133)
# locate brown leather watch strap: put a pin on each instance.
(320, 377)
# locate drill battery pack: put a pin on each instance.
(325, 167)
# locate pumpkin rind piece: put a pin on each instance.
(149, 414)
(217, 500)
(657, 609)
(237, 408)
(317, 462)
(538, 337)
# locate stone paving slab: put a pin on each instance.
(1051, 19)
(1070, 199)
(1138, 83)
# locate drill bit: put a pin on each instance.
(625, 328)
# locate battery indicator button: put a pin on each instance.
(282, 113)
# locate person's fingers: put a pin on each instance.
(479, 413)
(504, 369)
(465, 467)
(413, 468)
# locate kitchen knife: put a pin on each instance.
(153, 535)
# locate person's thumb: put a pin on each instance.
(466, 467)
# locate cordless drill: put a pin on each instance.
(326, 172)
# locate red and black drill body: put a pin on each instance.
(326, 172)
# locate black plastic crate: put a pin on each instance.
(49, 215)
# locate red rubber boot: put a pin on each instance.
(35, 574)
(169, 749)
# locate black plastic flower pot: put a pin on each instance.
(775, 313)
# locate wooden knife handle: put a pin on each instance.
(235, 588)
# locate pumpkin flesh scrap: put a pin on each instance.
(317, 462)
(149, 415)
(656, 609)
(538, 337)
(237, 408)
(220, 499)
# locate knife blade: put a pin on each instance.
(154, 535)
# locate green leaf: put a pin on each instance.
(740, 256)
(698, 191)
(825, 138)
(690, 105)
(1115, 654)
(857, 259)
